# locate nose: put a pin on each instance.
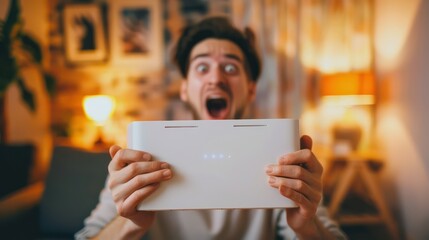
(217, 77)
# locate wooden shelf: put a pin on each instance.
(360, 219)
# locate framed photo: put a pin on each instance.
(136, 33)
(84, 33)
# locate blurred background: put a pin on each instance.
(74, 73)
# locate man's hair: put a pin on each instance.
(218, 28)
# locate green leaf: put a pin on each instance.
(49, 83)
(4, 84)
(13, 20)
(13, 37)
(30, 45)
(1, 30)
(8, 71)
(26, 95)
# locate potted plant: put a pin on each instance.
(18, 50)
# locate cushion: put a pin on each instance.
(73, 184)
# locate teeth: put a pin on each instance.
(215, 97)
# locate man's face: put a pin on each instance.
(217, 85)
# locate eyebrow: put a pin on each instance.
(231, 56)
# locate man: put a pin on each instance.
(220, 66)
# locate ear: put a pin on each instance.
(252, 91)
(184, 91)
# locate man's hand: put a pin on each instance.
(298, 176)
(133, 177)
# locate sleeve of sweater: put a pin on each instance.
(322, 213)
(104, 213)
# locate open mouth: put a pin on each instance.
(217, 107)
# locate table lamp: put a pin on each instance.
(347, 90)
(99, 108)
(351, 88)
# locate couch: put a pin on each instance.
(56, 207)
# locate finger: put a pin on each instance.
(305, 158)
(306, 142)
(124, 157)
(289, 171)
(293, 172)
(136, 168)
(129, 205)
(297, 185)
(140, 181)
(298, 198)
(113, 150)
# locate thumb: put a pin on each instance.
(113, 150)
(306, 142)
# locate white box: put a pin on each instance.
(217, 164)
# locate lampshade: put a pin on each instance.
(98, 108)
(351, 88)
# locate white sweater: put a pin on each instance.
(206, 224)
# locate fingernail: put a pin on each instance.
(268, 169)
(166, 173)
(164, 165)
(271, 180)
(147, 156)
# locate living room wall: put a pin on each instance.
(402, 37)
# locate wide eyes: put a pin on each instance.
(202, 68)
(228, 68)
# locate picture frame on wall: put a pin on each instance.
(85, 39)
(136, 33)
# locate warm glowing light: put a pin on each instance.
(349, 100)
(352, 88)
(392, 29)
(336, 36)
(99, 108)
